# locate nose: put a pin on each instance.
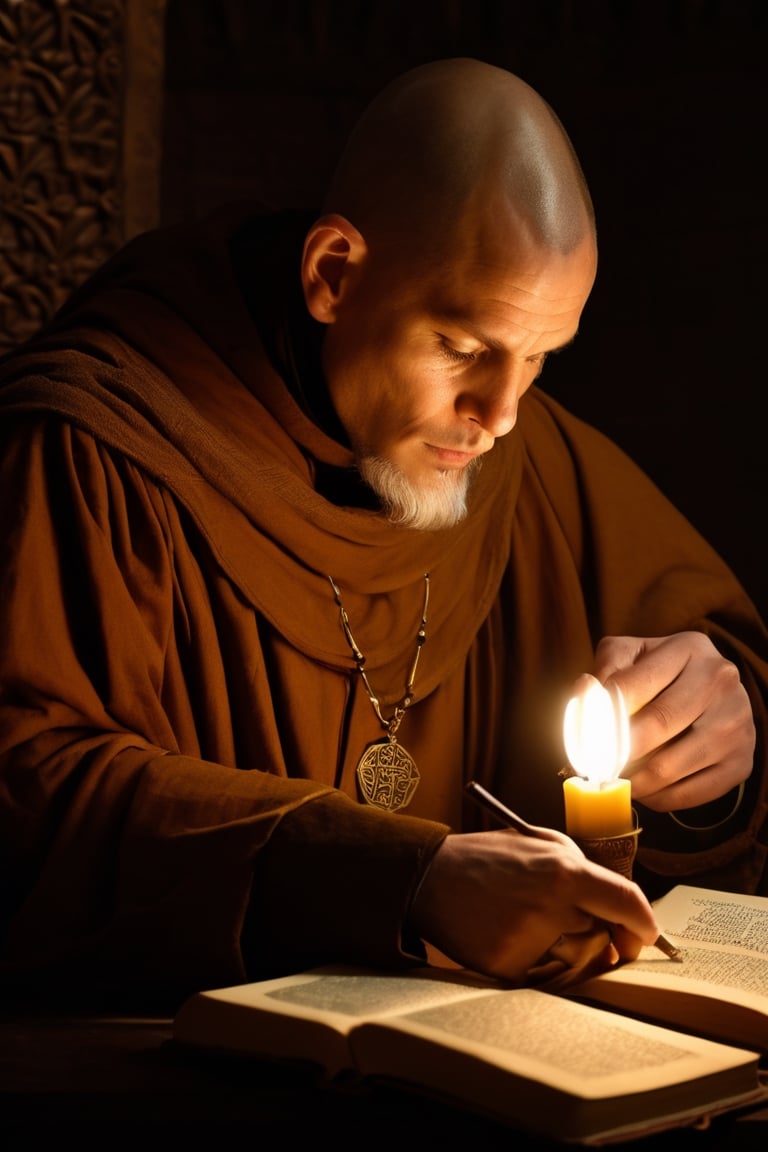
(491, 400)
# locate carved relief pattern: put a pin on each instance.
(60, 152)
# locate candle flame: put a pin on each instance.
(596, 732)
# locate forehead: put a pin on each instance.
(513, 294)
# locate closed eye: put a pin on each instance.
(455, 354)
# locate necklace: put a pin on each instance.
(386, 774)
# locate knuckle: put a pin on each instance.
(729, 678)
(663, 716)
(661, 767)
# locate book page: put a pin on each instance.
(335, 996)
(586, 1051)
(360, 993)
(748, 975)
(724, 919)
(724, 939)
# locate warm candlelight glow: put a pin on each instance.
(596, 732)
(596, 735)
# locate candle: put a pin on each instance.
(598, 803)
(594, 811)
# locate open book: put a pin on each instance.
(551, 1065)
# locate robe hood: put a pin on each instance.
(171, 371)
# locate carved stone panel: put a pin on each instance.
(80, 122)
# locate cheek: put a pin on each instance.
(382, 382)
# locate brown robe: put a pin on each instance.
(181, 717)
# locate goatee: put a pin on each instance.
(441, 505)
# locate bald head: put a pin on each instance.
(446, 140)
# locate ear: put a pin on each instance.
(333, 248)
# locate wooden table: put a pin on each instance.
(117, 1083)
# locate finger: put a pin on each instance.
(577, 949)
(553, 835)
(693, 703)
(574, 957)
(537, 951)
(626, 943)
(669, 683)
(668, 780)
(546, 972)
(705, 761)
(643, 660)
(683, 664)
(625, 660)
(613, 899)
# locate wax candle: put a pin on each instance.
(594, 810)
(596, 734)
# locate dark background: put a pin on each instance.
(666, 105)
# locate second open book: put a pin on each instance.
(720, 989)
(651, 1045)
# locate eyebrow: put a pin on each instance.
(490, 341)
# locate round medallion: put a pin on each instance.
(387, 776)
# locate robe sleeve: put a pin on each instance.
(127, 864)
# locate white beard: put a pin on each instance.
(427, 509)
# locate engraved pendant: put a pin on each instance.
(387, 775)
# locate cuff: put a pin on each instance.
(335, 884)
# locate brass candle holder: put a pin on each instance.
(614, 852)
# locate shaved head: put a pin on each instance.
(453, 141)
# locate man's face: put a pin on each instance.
(426, 365)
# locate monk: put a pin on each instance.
(294, 544)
